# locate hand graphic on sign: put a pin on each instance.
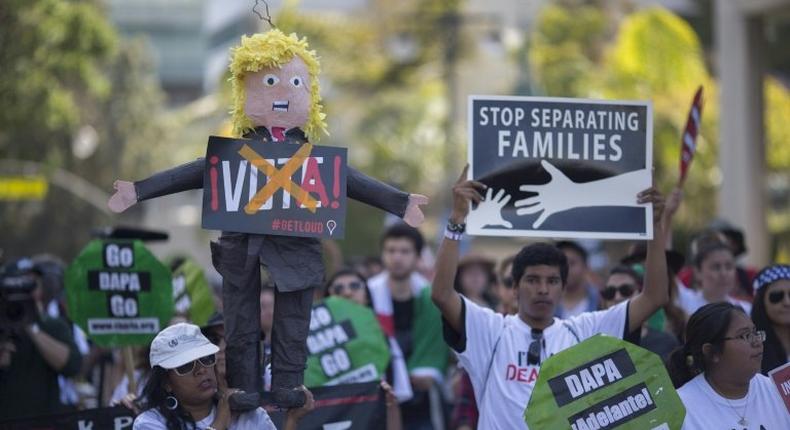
(489, 211)
(551, 197)
(561, 193)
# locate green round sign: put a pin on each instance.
(119, 293)
(345, 344)
(604, 383)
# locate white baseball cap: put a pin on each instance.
(178, 345)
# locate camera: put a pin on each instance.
(17, 306)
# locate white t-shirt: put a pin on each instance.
(706, 409)
(691, 300)
(252, 420)
(504, 397)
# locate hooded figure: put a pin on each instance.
(275, 98)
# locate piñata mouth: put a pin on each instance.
(280, 106)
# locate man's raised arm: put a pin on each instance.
(655, 293)
(443, 294)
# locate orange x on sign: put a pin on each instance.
(279, 178)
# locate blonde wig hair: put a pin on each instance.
(273, 49)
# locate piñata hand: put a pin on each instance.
(125, 196)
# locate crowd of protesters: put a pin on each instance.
(719, 326)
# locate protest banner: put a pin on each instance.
(343, 407)
(559, 167)
(116, 418)
(345, 344)
(781, 378)
(604, 383)
(192, 294)
(119, 293)
(269, 188)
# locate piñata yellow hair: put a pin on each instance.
(273, 49)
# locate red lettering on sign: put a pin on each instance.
(312, 182)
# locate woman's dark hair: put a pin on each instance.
(774, 354)
(538, 254)
(491, 281)
(155, 397)
(345, 271)
(708, 324)
(623, 269)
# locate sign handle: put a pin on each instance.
(128, 361)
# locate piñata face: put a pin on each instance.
(278, 97)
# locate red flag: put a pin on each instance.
(688, 144)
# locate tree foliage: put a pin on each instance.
(64, 69)
(654, 55)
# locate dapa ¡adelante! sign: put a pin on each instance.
(559, 167)
(260, 187)
(604, 383)
(119, 293)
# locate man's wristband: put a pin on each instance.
(454, 231)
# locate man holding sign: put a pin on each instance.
(275, 99)
(503, 354)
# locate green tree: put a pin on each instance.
(64, 70)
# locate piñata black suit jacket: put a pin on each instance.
(294, 263)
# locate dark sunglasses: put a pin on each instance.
(507, 281)
(186, 369)
(626, 290)
(533, 352)
(338, 288)
(777, 296)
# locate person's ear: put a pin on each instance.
(710, 352)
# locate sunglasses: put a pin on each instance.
(338, 288)
(186, 369)
(507, 281)
(533, 352)
(625, 290)
(777, 296)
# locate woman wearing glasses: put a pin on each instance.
(183, 391)
(718, 372)
(771, 314)
(349, 284)
(624, 282)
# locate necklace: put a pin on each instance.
(742, 421)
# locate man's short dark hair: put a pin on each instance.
(402, 230)
(573, 246)
(539, 254)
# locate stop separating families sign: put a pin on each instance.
(604, 383)
(560, 167)
(119, 293)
